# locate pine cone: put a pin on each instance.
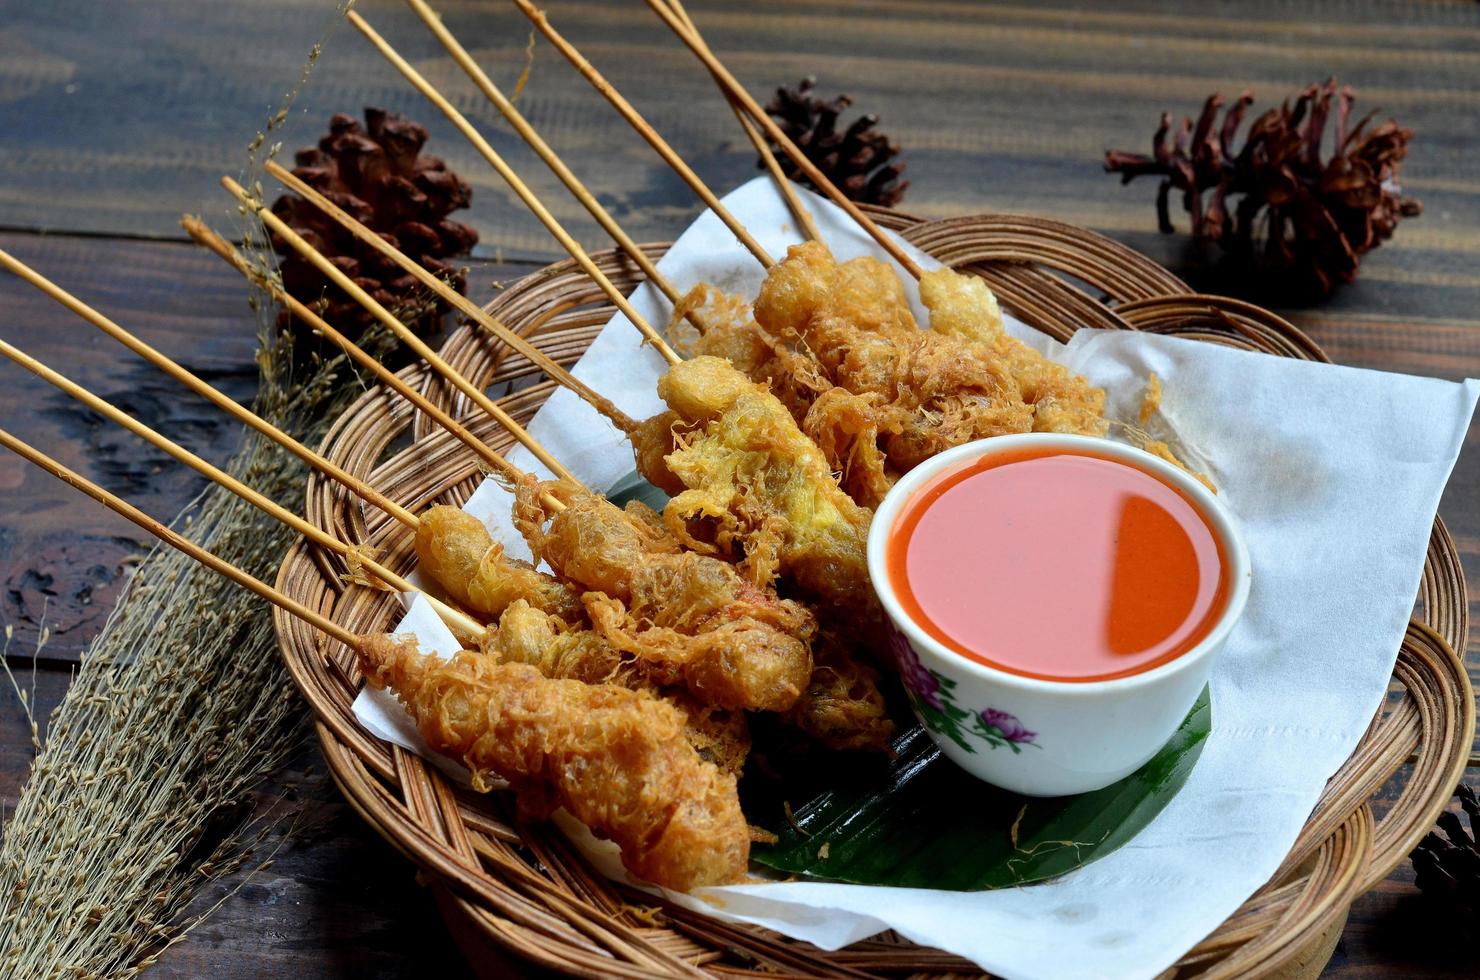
(1449, 870)
(378, 175)
(859, 160)
(1297, 214)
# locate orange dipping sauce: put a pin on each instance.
(1058, 565)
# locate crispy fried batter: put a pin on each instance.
(809, 284)
(842, 707)
(591, 543)
(457, 551)
(765, 488)
(689, 618)
(528, 636)
(962, 306)
(615, 759)
(822, 327)
(728, 328)
(847, 429)
(653, 439)
(927, 390)
(733, 658)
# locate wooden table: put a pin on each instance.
(116, 117)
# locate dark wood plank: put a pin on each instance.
(113, 117)
(61, 556)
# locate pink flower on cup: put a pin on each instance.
(1007, 726)
(916, 676)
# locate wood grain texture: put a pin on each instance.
(116, 117)
(62, 560)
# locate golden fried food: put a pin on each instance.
(652, 439)
(739, 661)
(687, 618)
(809, 285)
(727, 329)
(615, 759)
(528, 636)
(962, 306)
(457, 551)
(849, 429)
(824, 330)
(764, 489)
(842, 707)
(591, 543)
(719, 735)
(919, 392)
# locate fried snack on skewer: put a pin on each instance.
(739, 663)
(842, 707)
(528, 635)
(840, 347)
(457, 551)
(963, 306)
(687, 617)
(592, 543)
(614, 758)
(763, 488)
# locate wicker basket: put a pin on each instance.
(511, 887)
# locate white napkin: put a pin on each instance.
(1335, 474)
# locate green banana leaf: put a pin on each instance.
(923, 822)
(919, 821)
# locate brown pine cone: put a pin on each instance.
(1447, 868)
(1306, 217)
(859, 160)
(377, 174)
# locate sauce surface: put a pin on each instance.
(1058, 565)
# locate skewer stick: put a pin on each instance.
(783, 184)
(519, 187)
(733, 87)
(521, 125)
(437, 285)
(175, 540)
(410, 339)
(215, 243)
(198, 386)
(637, 122)
(315, 534)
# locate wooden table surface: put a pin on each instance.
(115, 118)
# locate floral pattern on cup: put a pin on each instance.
(930, 694)
(1007, 727)
(922, 684)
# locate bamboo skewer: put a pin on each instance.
(794, 203)
(529, 198)
(404, 333)
(215, 243)
(733, 88)
(635, 120)
(206, 391)
(175, 540)
(438, 286)
(221, 477)
(521, 125)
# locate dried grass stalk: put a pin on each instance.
(138, 796)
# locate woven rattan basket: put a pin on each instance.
(514, 888)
